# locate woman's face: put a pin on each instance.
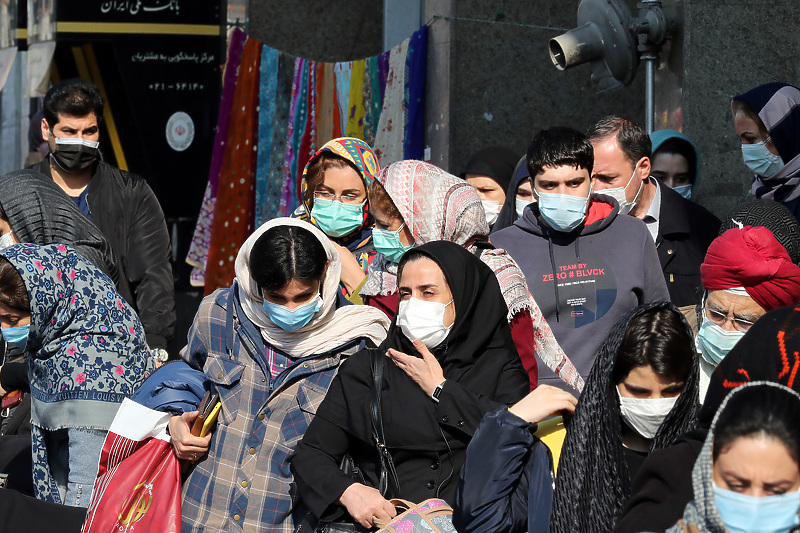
(671, 169)
(10, 317)
(487, 188)
(424, 280)
(642, 382)
(525, 191)
(749, 132)
(5, 228)
(343, 184)
(383, 220)
(756, 466)
(293, 294)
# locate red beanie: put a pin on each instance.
(751, 257)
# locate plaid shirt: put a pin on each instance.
(244, 482)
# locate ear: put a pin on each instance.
(45, 130)
(645, 167)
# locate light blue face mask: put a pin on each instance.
(770, 514)
(563, 212)
(337, 219)
(714, 342)
(760, 160)
(520, 206)
(292, 319)
(17, 336)
(388, 243)
(684, 190)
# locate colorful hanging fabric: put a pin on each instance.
(280, 133)
(266, 121)
(372, 99)
(234, 210)
(325, 95)
(307, 146)
(416, 64)
(342, 71)
(389, 136)
(355, 111)
(198, 249)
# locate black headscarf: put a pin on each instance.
(769, 351)
(772, 215)
(508, 214)
(496, 162)
(593, 483)
(40, 213)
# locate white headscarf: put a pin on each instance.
(330, 327)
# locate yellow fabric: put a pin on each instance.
(552, 432)
(356, 111)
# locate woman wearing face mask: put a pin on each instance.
(675, 161)
(490, 170)
(746, 272)
(641, 394)
(270, 346)
(518, 195)
(747, 477)
(767, 119)
(334, 191)
(449, 360)
(414, 203)
(86, 351)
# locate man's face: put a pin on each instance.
(612, 169)
(69, 126)
(564, 179)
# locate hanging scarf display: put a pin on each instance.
(275, 112)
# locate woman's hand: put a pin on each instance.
(426, 372)
(544, 401)
(365, 504)
(186, 445)
(352, 273)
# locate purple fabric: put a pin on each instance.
(383, 71)
(416, 63)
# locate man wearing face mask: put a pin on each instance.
(119, 203)
(681, 229)
(585, 265)
(746, 273)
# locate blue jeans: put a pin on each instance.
(74, 457)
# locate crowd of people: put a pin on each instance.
(564, 341)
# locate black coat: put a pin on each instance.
(685, 231)
(125, 209)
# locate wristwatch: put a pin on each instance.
(437, 391)
(160, 355)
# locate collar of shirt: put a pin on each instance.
(651, 217)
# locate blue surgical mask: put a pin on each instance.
(760, 160)
(388, 243)
(520, 206)
(337, 219)
(17, 336)
(770, 514)
(563, 212)
(684, 190)
(292, 319)
(714, 342)
(618, 194)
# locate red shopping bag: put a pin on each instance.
(138, 485)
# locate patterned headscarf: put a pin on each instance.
(435, 205)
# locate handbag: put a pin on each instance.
(431, 516)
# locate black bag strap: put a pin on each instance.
(388, 484)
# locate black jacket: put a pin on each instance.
(125, 209)
(685, 231)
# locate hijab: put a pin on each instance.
(659, 137)
(778, 106)
(330, 327)
(508, 213)
(496, 162)
(593, 483)
(86, 348)
(435, 205)
(770, 214)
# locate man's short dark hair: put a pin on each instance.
(631, 137)
(558, 147)
(74, 97)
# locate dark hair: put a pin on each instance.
(656, 338)
(558, 147)
(409, 257)
(633, 140)
(680, 147)
(284, 253)
(12, 288)
(315, 174)
(759, 411)
(74, 97)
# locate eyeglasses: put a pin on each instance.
(344, 198)
(720, 318)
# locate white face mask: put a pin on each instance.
(419, 319)
(645, 415)
(520, 206)
(618, 194)
(492, 209)
(6, 241)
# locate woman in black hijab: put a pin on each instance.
(461, 364)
